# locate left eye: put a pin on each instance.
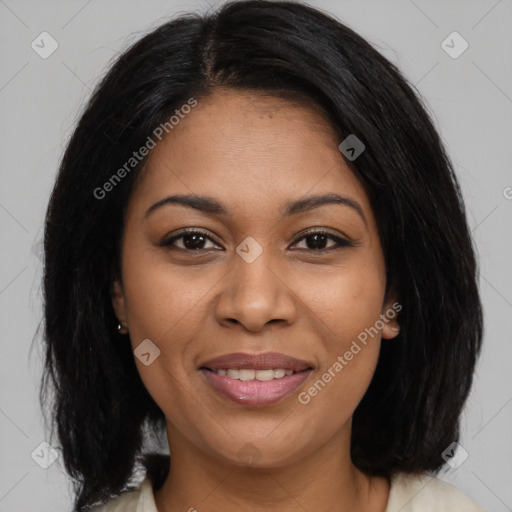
(319, 239)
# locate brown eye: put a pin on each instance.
(318, 241)
(191, 240)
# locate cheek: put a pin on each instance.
(163, 301)
(346, 311)
(344, 300)
(164, 305)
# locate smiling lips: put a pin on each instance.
(255, 379)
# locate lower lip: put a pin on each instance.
(255, 393)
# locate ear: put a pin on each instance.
(389, 316)
(118, 301)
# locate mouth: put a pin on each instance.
(255, 379)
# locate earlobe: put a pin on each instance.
(391, 330)
(118, 302)
(389, 315)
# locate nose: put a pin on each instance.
(255, 294)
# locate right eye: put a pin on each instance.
(191, 240)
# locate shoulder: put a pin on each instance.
(138, 500)
(422, 493)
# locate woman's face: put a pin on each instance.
(254, 281)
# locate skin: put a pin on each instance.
(253, 154)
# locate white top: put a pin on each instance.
(408, 493)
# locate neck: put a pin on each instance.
(323, 480)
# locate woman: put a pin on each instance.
(256, 243)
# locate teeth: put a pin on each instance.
(233, 374)
(265, 374)
(261, 375)
(246, 374)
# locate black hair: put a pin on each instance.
(101, 410)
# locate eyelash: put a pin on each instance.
(341, 243)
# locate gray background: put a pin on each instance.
(470, 99)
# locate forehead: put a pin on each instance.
(250, 150)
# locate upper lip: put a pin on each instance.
(262, 361)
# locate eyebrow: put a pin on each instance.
(211, 206)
